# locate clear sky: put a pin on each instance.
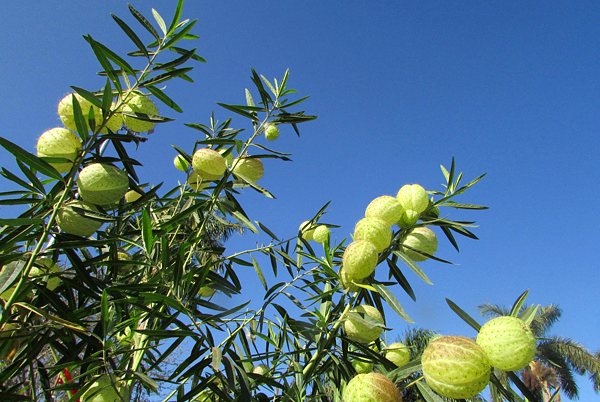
(508, 88)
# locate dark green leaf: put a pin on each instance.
(462, 314)
(518, 304)
(178, 61)
(176, 16)
(160, 95)
(427, 392)
(392, 301)
(180, 35)
(165, 76)
(239, 111)
(412, 265)
(142, 20)
(30, 159)
(259, 272)
(103, 60)
(21, 222)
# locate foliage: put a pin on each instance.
(129, 315)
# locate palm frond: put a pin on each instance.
(492, 310)
(545, 318)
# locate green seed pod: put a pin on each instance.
(374, 230)
(251, 168)
(414, 197)
(139, 104)
(307, 230)
(455, 367)
(59, 143)
(422, 239)
(360, 259)
(371, 387)
(102, 184)
(398, 354)
(386, 208)
(209, 164)
(71, 222)
(321, 234)
(508, 342)
(271, 132)
(365, 329)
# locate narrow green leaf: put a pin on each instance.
(32, 178)
(269, 85)
(267, 231)
(142, 20)
(183, 34)
(412, 265)
(165, 77)
(160, 95)
(217, 356)
(177, 62)
(107, 98)
(50, 317)
(392, 301)
(118, 60)
(176, 16)
(160, 21)
(463, 206)
(450, 237)
(104, 312)
(427, 392)
(10, 274)
(401, 279)
(249, 100)
(184, 51)
(259, 273)
(293, 118)
(239, 111)
(294, 103)
(14, 178)
(147, 236)
(516, 307)
(529, 313)
(30, 159)
(21, 222)
(132, 35)
(462, 314)
(103, 60)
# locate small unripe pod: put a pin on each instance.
(398, 354)
(321, 234)
(271, 132)
(251, 168)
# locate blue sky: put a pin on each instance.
(510, 89)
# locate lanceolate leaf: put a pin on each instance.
(518, 304)
(33, 161)
(462, 314)
(392, 301)
(142, 20)
(412, 265)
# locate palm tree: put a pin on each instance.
(558, 356)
